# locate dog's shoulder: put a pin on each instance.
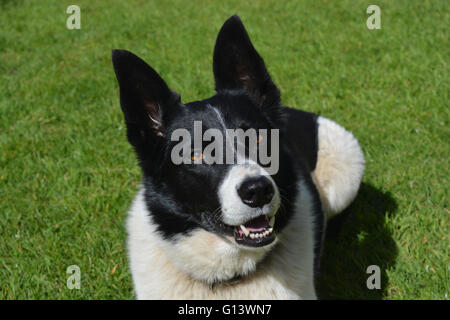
(301, 129)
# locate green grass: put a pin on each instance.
(68, 175)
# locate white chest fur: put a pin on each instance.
(163, 269)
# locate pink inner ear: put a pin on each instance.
(154, 118)
(245, 79)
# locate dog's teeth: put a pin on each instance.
(245, 230)
(270, 230)
(252, 235)
(272, 221)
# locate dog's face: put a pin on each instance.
(241, 200)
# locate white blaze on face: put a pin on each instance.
(236, 212)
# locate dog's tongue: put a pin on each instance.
(257, 224)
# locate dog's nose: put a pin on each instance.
(256, 191)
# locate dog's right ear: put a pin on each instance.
(145, 98)
(237, 65)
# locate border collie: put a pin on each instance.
(230, 230)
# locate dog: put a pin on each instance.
(230, 230)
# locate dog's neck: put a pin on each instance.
(211, 258)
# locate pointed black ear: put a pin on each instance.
(145, 98)
(237, 65)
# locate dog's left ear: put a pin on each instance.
(237, 65)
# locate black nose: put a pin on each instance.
(256, 191)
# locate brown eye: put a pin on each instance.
(196, 155)
(260, 138)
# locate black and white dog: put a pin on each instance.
(230, 230)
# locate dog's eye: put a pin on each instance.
(260, 139)
(196, 155)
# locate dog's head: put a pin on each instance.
(190, 182)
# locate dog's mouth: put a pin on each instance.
(257, 232)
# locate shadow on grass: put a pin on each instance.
(356, 239)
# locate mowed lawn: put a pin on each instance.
(68, 175)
